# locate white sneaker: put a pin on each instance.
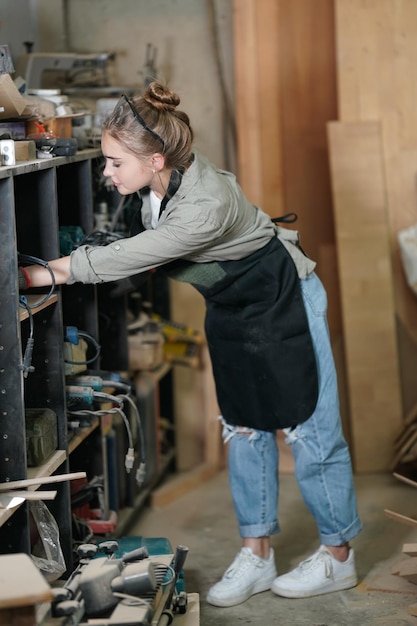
(321, 573)
(247, 575)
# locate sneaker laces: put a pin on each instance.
(321, 555)
(244, 559)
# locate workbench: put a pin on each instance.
(25, 597)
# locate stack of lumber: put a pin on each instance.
(406, 568)
(405, 447)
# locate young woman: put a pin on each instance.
(266, 330)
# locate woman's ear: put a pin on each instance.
(157, 162)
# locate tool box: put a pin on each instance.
(41, 435)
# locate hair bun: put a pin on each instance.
(161, 97)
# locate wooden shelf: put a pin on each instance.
(49, 467)
(42, 471)
(32, 300)
(81, 435)
(28, 167)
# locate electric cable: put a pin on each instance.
(106, 397)
(26, 366)
(117, 384)
(90, 339)
(94, 383)
(140, 473)
(130, 600)
(27, 258)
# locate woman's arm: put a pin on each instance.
(40, 277)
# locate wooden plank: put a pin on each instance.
(409, 521)
(33, 482)
(404, 436)
(411, 416)
(7, 496)
(410, 549)
(307, 67)
(408, 570)
(22, 616)
(377, 53)
(359, 199)
(21, 583)
(401, 454)
(270, 126)
(250, 158)
(404, 479)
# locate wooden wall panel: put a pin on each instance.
(285, 74)
(257, 98)
(360, 207)
(300, 65)
(376, 59)
(285, 94)
(308, 101)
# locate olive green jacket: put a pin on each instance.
(208, 219)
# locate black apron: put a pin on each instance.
(257, 332)
(258, 337)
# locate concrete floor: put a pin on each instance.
(203, 520)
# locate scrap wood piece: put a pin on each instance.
(408, 570)
(41, 480)
(404, 479)
(409, 521)
(11, 499)
(29, 495)
(411, 455)
(412, 609)
(411, 415)
(404, 436)
(396, 566)
(410, 549)
(405, 449)
(21, 584)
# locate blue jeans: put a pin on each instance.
(321, 455)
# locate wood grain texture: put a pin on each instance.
(376, 59)
(360, 205)
(21, 583)
(285, 84)
(246, 38)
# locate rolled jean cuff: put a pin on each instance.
(258, 530)
(340, 538)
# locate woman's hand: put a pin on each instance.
(38, 276)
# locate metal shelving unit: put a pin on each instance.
(36, 199)
(31, 195)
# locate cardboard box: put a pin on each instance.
(25, 150)
(12, 103)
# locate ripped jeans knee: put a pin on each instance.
(230, 430)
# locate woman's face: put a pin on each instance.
(127, 172)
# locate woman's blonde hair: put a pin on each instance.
(151, 123)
